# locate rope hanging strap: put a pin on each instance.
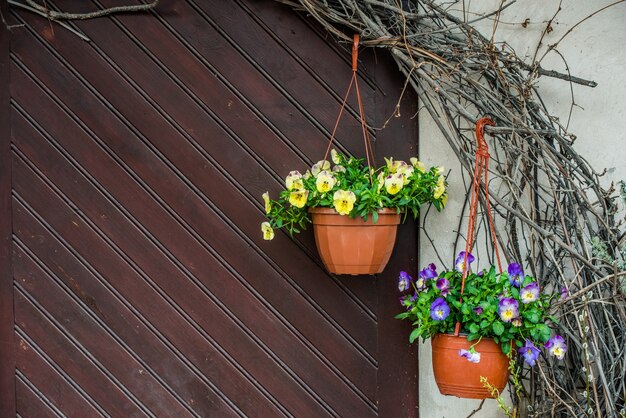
(481, 172)
(369, 152)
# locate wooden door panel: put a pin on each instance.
(141, 283)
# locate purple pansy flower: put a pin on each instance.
(404, 281)
(444, 286)
(529, 293)
(407, 301)
(429, 272)
(564, 293)
(425, 274)
(557, 347)
(508, 309)
(529, 352)
(471, 355)
(516, 275)
(439, 309)
(478, 310)
(420, 283)
(459, 263)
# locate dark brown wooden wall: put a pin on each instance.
(7, 360)
(141, 283)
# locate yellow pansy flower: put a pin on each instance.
(444, 200)
(392, 165)
(268, 232)
(298, 198)
(394, 183)
(406, 171)
(380, 180)
(297, 185)
(389, 162)
(440, 169)
(320, 166)
(440, 188)
(266, 199)
(418, 165)
(335, 156)
(325, 181)
(293, 180)
(339, 169)
(343, 201)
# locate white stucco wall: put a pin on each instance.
(595, 50)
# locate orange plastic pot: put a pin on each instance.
(351, 245)
(458, 377)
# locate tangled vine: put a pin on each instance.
(552, 211)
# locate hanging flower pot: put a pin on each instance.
(353, 205)
(337, 200)
(457, 376)
(491, 315)
(352, 245)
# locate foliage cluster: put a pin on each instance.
(508, 307)
(354, 189)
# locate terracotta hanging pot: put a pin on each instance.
(351, 245)
(456, 376)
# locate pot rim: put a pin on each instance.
(461, 335)
(330, 211)
(486, 344)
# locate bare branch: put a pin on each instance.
(55, 15)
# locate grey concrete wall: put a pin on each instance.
(595, 50)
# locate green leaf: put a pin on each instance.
(375, 217)
(414, 334)
(474, 329)
(532, 315)
(465, 309)
(534, 332)
(544, 332)
(498, 328)
(506, 347)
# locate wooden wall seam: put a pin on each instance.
(7, 355)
